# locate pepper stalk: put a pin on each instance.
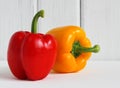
(78, 49)
(35, 21)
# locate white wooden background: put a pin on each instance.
(17, 15)
(99, 18)
(14, 15)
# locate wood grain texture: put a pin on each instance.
(59, 13)
(101, 20)
(17, 15)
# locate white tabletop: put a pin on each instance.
(97, 74)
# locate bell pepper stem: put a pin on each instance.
(94, 49)
(78, 49)
(35, 20)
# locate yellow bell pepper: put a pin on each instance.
(74, 48)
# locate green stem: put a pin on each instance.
(93, 49)
(77, 49)
(35, 21)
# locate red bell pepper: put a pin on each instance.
(31, 55)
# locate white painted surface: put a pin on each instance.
(17, 15)
(101, 21)
(59, 13)
(97, 74)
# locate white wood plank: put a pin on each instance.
(14, 15)
(101, 20)
(59, 13)
(17, 15)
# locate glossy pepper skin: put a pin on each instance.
(74, 48)
(31, 55)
